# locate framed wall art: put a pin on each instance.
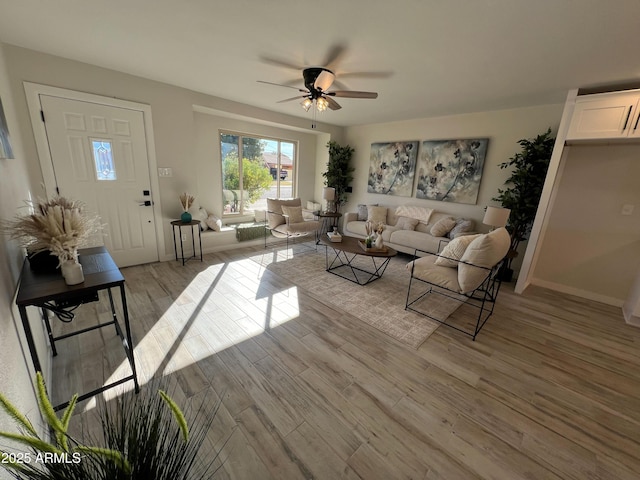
(5, 143)
(450, 170)
(392, 168)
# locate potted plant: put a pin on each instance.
(524, 190)
(144, 436)
(58, 227)
(339, 173)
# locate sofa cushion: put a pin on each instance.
(363, 212)
(425, 269)
(443, 226)
(484, 251)
(462, 226)
(415, 240)
(294, 213)
(274, 207)
(294, 229)
(406, 223)
(421, 214)
(454, 251)
(376, 215)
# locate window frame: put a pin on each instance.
(241, 136)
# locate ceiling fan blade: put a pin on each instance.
(281, 85)
(280, 63)
(352, 94)
(297, 97)
(333, 56)
(333, 105)
(365, 74)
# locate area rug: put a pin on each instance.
(379, 304)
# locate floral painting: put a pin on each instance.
(450, 170)
(392, 168)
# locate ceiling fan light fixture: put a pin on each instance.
(324, 80)
(306, 104)
(321, 104)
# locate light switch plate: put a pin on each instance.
(165, 172)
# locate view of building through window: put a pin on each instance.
(254, 169)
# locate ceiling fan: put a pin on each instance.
(317, 81)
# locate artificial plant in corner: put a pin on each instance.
(524, 187)
(339, 173)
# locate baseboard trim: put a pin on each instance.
(596, 297)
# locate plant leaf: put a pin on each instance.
(45, 405)
(33, 442)
(113, 455)
(177, 413)
(13, 412)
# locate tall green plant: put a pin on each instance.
(339, 173)
(525, 185)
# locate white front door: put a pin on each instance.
(99, 156)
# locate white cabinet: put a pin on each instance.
(606, 115)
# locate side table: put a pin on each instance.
(177, 225)
(328, 220)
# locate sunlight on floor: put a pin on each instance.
(223, 305)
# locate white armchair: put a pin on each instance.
(285, 220)
(466, 270)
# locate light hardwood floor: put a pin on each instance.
(550, 389)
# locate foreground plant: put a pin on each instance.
(144, 436)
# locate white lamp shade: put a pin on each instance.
(329, 194)
(496, 216)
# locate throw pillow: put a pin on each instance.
(484, 251)
(214, 223)
(294, 214)
(443, 226)
(313, 206)
(420, 213)
(406, 223)
(363, 213)
(462, 226)
(376, 215)
(274, 210)
(454, 251)
(201, 215)
(260, 215)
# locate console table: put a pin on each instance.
(49, 292)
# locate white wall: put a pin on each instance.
(17, 370)
(175, 128)
(589, 248)
(503, 128)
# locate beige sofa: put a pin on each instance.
(402, 235)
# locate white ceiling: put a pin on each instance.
(442, 57)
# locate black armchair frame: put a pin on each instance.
(483, 297)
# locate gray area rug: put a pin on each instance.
(379, 304)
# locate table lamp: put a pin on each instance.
(329, 194)
(496, 217)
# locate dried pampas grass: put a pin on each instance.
(60, 225)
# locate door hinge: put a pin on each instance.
(42, 115)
